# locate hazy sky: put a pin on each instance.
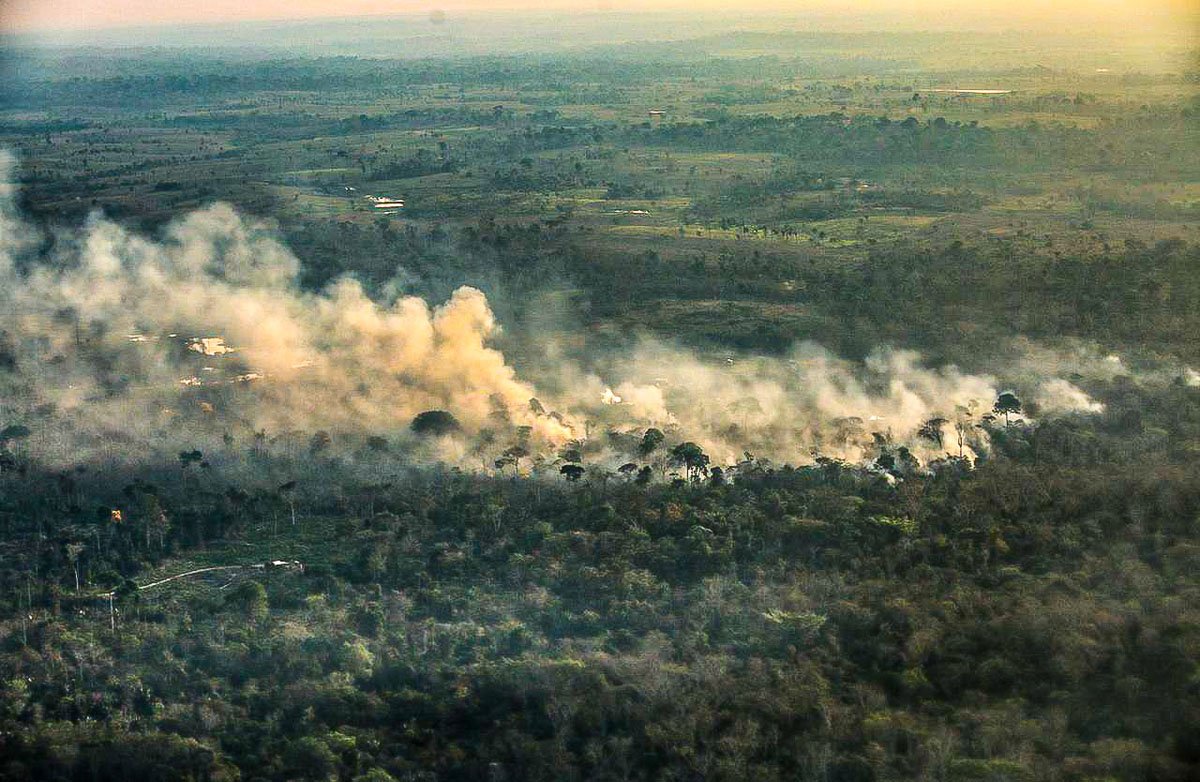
(25, 15)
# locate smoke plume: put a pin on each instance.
(117, 346)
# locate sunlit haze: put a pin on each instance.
(33, 15)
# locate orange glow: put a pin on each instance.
(27, 15)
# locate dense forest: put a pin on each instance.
(498, 588)
(1032, 617)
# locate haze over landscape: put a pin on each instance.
(606, 391)
(925, 14)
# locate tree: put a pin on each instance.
(13, 432)
(931, 430)
(190, 457)
(151, 516)
(375, 775)
(251, 598)
(259, 448)
(1007, 404)
(650, 441)
(434, 423)
(517, 452)
(963, 423)
(310, 758)
(73, 550)
(691, 457)
(287, 491)
(905, 463)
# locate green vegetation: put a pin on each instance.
(1030, 615)
(1031, 618)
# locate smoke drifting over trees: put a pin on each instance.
(117, 345)
(645, 400)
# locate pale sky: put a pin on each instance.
(31, 15)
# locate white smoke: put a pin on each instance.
(1059, 396)
(130, 340)
(789, 409)
(122, 346)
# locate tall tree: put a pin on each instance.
(1007, 404)
(692, 458)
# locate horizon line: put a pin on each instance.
(940, 20)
